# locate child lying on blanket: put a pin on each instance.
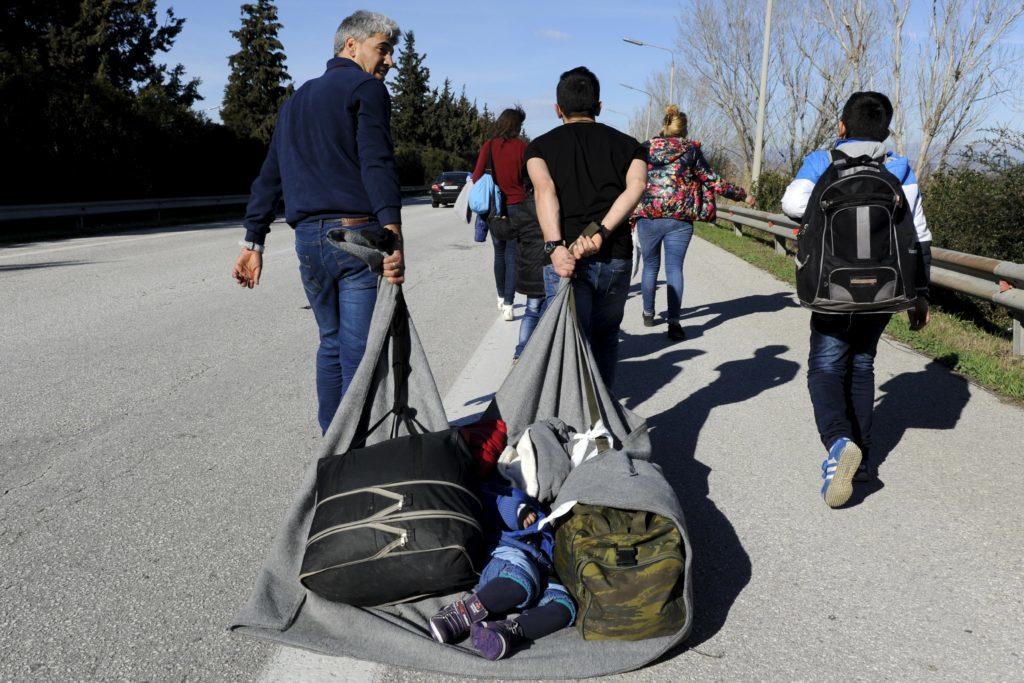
(518, 578)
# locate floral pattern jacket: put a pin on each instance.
(680, 183)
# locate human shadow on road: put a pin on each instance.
(722, 567)
(724, 311)
(638, 380)
(933, 398)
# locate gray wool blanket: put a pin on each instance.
(556, 377)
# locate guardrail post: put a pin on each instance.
(736, 230)
(1018, 333)
(780, 246)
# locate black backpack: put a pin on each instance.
(857, 246)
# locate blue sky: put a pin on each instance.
(504, 53)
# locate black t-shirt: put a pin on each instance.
(588, 162)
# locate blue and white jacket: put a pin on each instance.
(794, 201)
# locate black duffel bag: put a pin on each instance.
(395, 521)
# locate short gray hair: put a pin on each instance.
(362, 24)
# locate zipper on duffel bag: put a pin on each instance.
(390, 519)
(384, 489)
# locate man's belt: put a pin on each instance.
(355, 220)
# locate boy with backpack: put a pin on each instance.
(864, 253)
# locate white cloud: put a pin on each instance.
(552, 34)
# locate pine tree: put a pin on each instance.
(87, 105)
(258, 82)
(410, 96)
(443, 126)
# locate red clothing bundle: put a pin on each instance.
(486, 440)
(509, 159)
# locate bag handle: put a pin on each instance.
(490, 169)
(600, 522)
(638, 523)
(490, 161)
(838, 157)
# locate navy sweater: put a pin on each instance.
(331, 154)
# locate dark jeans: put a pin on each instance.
(675, 235)
(505, 267)
(535, 307)
(341, 291)
(841, 374)
(600, 290)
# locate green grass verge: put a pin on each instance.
(963, 346)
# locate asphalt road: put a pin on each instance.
(155, 417)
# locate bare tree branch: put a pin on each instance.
(960, 67)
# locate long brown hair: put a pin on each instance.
(674, 123)
(509, 124)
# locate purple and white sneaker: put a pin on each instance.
(452, 623)
(495, 639)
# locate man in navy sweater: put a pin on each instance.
(332, 161)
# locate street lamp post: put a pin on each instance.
(755, 170)
(672, 68)
(650, 103)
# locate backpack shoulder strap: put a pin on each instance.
(490, 160)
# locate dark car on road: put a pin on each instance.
(446, 187)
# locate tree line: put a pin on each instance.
(90, 112)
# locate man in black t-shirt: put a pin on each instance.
(584, 172)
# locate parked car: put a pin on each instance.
(446, 187)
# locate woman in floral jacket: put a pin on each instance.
(681, 189)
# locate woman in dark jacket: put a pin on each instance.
(530, 261)
(507, 150)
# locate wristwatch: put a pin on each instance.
(549, 247)
(251, 246)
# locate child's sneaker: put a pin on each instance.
(495, 639)
(452, 623)
(837, 471)
(648, 319)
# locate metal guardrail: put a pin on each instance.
(1000, 282)
(82, 209)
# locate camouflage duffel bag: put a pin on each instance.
(626, 570)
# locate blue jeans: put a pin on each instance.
(600, 290)
(505, 268)
(341, 291)
(841, 375)
(535, 307)
(675, 235)
(512, 563)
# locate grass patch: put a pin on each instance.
(983, 357)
